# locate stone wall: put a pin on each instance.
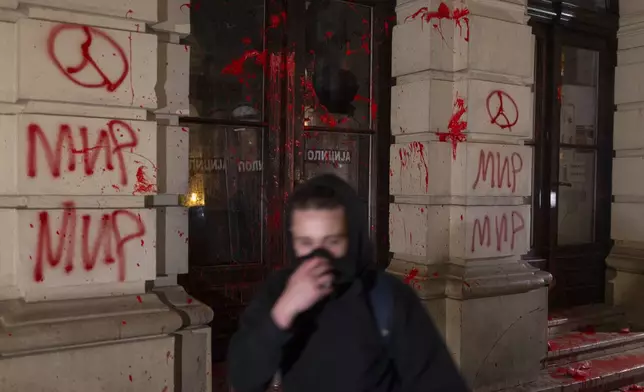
(626, 261)
(461, 181)
(92, 161)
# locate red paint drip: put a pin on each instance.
(138, 298)
(131, 69)
(456, 127)
(460, 16)
(419, 148)
(410, 276)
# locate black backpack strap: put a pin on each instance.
(382, 304)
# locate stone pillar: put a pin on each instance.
(92, 162)
(626, 262)
(461, 180)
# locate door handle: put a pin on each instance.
(568, 184)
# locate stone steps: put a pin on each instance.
(579, 346)
(584, 317)
(606, 373)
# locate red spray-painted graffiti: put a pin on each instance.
(106, 141)
(73, 72)
(415, 150)
(460, 16)
(517, 225)
(108, 238)
(506, 169)
(500, 117)
(456, 126)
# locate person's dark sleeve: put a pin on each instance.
(255, 351)
(420, 355)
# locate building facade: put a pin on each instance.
(496, 143)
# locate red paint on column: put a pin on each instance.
(456, 126)
(410, 276)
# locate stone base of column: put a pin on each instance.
(493, 317)
(150, 342)
(625, 278)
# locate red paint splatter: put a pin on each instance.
(410, 276)
(236, 67)
(124, 322)
(184, 129)
(189, 301)
(143, 185)
(559, 94)
(456, 126)
(130, 377)
(276, 20)
(138, 298)
(460, 16)
(372, 104)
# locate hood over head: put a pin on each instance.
(359, 255)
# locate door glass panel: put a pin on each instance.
(595, 5)
(578, 95)
(337, 82)
(227, 59)
(225, 195)
(345, 155)
(576, 204)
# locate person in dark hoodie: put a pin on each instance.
(332, 322)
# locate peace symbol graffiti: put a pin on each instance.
(72, 72)
(500, 117)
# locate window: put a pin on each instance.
(575, 54)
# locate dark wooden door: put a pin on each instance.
(269, 109)
(573, 156)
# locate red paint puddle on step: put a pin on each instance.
(598, 368)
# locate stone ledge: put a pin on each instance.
(462, 200)
(462, 75)
(463, 282)
(624, 260)
(481, 138)
(43, 326)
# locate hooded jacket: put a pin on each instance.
(336, 346)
